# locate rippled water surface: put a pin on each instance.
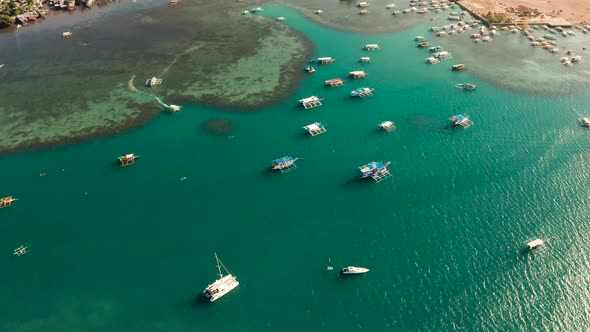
(122, 249)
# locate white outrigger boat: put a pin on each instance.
(221, 286)
(21, 250)
(362, 92)
(354, 270)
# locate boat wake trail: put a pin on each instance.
(132, 88)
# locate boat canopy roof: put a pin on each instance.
(535, 243)
(284, 160)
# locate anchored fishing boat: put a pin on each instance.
(315, 128)
(284, 164)
(325, 60)
(21, 250)
(583, 122)
(432, 60)
(174, 108)
(459, 67)
(223, 285)
(365, 59)
(153, 82)
(354, 270)
(334, 82)
(357, 74)
(309, 69)
(467, 86)
(6, 201)
(376, 170)
(372, 47)
(310, 102)
(535, 244)
(388, 126)
(424, 44)
(461, 120)
(127, 159)
(362, 92)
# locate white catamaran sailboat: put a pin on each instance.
(221, 286)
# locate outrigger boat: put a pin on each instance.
(376, 170)
(467, 86)
(315, 128)
(334, 82)
(6, 201)
(310, 102)
(388, 126)
(372, 47)
(284, 164)
(153, 82)
(223, 285)
(325, 60)
(461, 120)
(354, 270)
(362, 92)
(127, 159)
(357, 74)
(583, 122)
(21, 250)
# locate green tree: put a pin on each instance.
(6, 21)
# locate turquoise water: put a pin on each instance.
(125, 249)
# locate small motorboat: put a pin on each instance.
(536, 244)
(585, 122)
(309, 69)
(354, 270)
(459, 67)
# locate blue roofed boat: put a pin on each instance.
(376, 170)
(461, 120)
(284, 164)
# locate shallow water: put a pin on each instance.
(119, 249)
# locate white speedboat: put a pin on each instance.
(221, 286)
(354, 270)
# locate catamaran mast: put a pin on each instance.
(218, 266)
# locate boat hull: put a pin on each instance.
(220, 288)
(354, 270)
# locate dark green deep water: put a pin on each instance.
(131, 249)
